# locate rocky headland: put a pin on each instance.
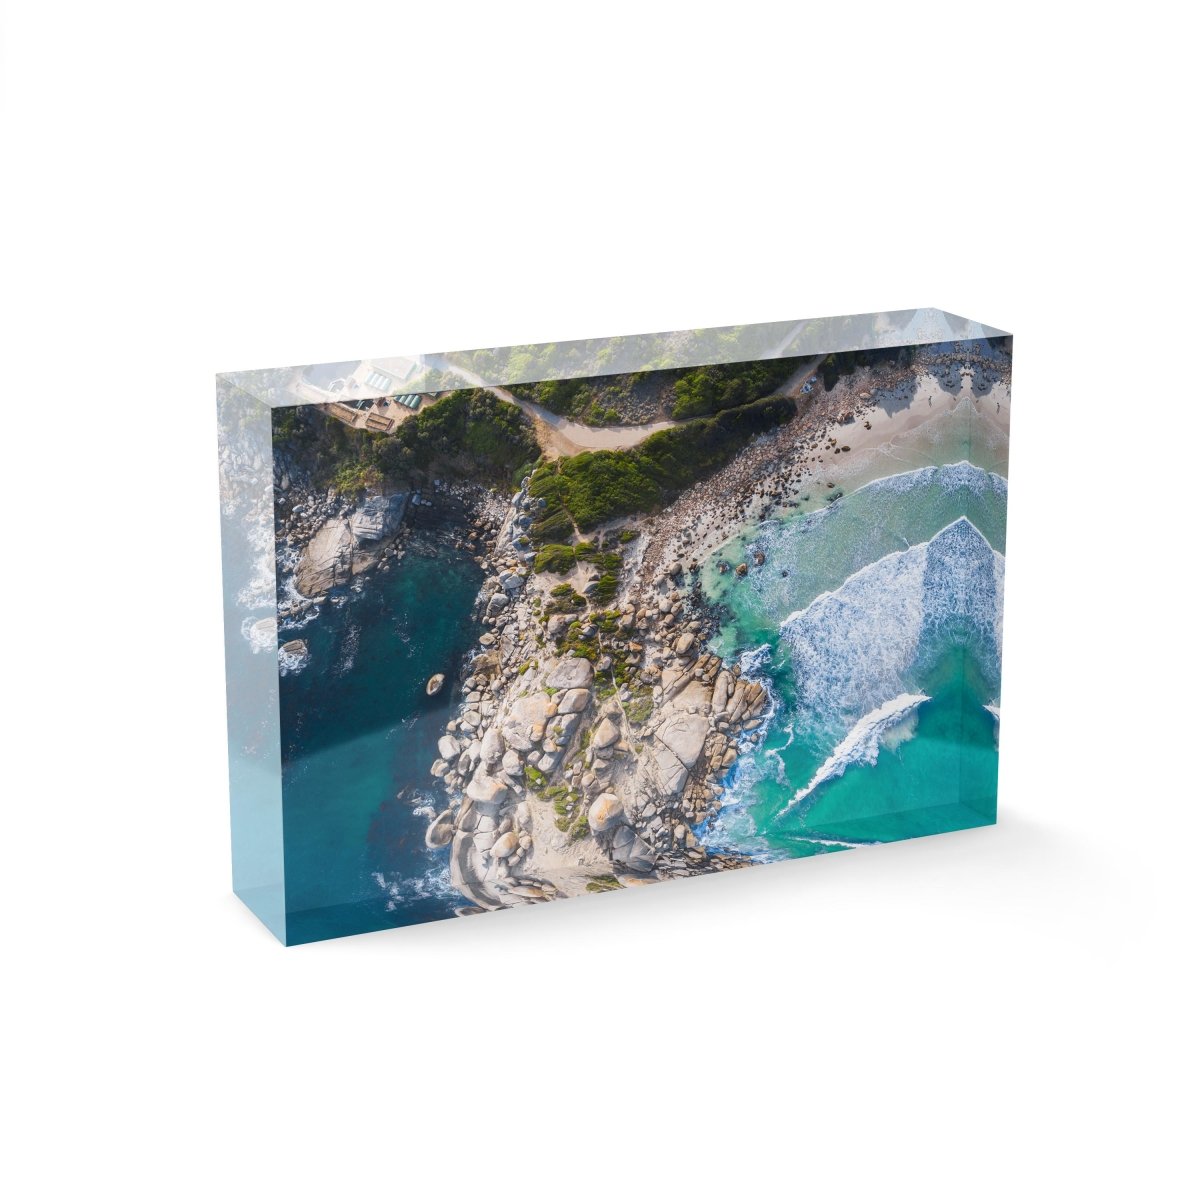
(589, 744)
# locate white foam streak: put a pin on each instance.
(861, 744)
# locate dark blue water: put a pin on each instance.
(357, 728)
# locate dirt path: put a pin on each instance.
(558, 436)
(561, 437)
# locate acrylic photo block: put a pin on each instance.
(513, 625)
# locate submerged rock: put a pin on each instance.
(440, 831)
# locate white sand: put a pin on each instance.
(935, 427)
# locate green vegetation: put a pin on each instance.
(714, 389)
(553, 525)
(604, 883)
(640, 707)
(570, 811)
(559, 559)
(602, 590)
(535, 778)
(684, 392)
(591, 400)
(556, 792)
(566, 397)
(556, 558)
(565, 600)
(606, 560)
(591, 488)
(286, 425)
(470, 433)
(354, 477)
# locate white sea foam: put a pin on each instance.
(401, 890)
(259, 590)
(861, 744)
(261, 633)
(756, 660)
(733, 824)
(853, 648)
(348, 650)
(950, 478)
(811, 554)
(292, 664)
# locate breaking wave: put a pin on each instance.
(261, 632)
(959, 476)
(855, 648)
(401, 890)
(889, 724)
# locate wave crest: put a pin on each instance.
(858, 646)
(861, 744)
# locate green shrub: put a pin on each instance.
(470, 433)
(556, 558)
(603, 590)
(604, 883)
(714, 389)
(591, 488)
(354, 477)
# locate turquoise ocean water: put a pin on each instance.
(876, 623)
(357, 729)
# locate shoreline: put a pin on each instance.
(795, 470)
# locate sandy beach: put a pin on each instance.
(913, 422)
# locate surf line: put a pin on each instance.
(861, 744)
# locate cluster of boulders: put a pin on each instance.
(701, 710)
(557, 775)
(522, 509)
(493, 759)
(949, 370)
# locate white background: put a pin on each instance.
(193, 188)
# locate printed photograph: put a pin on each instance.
(548, 639)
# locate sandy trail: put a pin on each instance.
(561, 437)
(558, 436)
